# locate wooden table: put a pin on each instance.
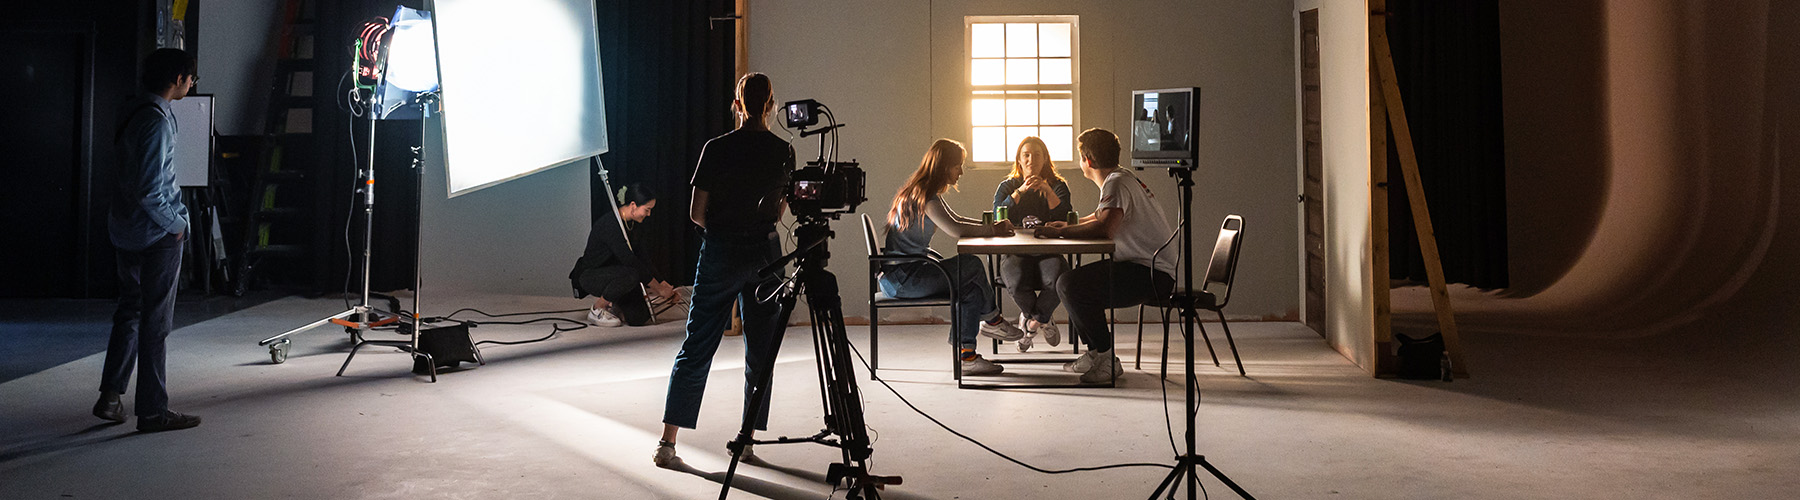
(1024, 243)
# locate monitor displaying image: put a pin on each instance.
(1162, 126)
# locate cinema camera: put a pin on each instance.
(825, 187)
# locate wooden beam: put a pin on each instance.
(1415, 192)
(1383, 361)
(743, 38)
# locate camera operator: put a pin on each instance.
(737, 201)
(1129, 215)
(612, 273)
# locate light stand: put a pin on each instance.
(1184, 299)
(367, 317)
(417, 84)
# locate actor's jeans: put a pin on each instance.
(142, 322)
(726, 273)
(914, 280)
(1032, 280)
(618, 284)
(1089, 294)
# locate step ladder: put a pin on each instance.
(280, 204)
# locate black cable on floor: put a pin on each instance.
(915, 409)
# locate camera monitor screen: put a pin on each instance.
(521, 88)
(1162, 126)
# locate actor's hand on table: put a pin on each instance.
(1003, 228)
(1051, 230)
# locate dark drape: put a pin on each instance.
(1447, 57)
(668, 71)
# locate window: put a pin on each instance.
(1022, 82)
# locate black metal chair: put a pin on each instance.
(1221, 270)
(879, 300)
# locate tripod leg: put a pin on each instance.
(1167, 480)
(757, 399)
(357, 343)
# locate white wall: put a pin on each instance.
(234, 59)
(895, 71)
(517, 237)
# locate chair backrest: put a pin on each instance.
(869, 236)
(1222, 269)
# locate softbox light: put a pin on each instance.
(410, 58)
(520, 87)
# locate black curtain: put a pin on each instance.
(1447, 57)
(668, 68)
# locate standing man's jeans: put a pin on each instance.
(146, 314)
(726, 273)
(914, 280)
(1032, 279)
(1086, 290)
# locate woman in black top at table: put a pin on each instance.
(1035, 194)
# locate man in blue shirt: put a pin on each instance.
(147, 223)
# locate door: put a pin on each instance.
(1313, 168)
(42, 74)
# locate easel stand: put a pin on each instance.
(844, 425)
(1184, 472)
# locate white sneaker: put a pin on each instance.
(1102, 371)
(1004, 331)
(665, 456)
(599, 317)
(1081, 364)
(1050, 333)
(1025, 343)
(749, 454)
(981, 366)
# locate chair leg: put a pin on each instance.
(1208, 340)
(874, 341)
(1233, 344)
(1138, 363)
(1163, 373)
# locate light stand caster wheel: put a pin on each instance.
(278, 352)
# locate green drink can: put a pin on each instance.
(987, 218)
(1073, 217)
(1000, 213)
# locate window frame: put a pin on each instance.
(969, 88)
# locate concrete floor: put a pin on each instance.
(577, 417)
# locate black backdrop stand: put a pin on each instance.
(1190, 318)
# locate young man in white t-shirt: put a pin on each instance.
(1129, 215)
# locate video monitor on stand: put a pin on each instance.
(1163, 123)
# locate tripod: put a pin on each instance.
(1190, 320)
(844, 426)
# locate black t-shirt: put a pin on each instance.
(739, 171)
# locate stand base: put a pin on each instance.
(1184, 468)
